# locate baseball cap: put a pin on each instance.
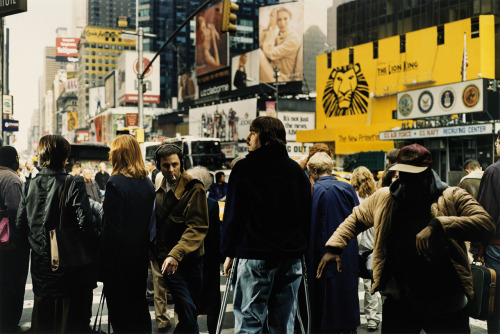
(413, 158)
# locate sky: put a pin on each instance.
(30, 32)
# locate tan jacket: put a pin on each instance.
(181, 219)
(461, 217)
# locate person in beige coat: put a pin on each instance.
(420, 263)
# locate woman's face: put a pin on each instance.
(243, 59)
(283, 20)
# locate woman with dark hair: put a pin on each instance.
(63, 295)
(128, 207)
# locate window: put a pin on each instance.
(440, 35)
(375, 50)
(474, 27)
(402, 43)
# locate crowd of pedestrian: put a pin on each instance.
(286, 227)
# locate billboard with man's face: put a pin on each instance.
(281, 31)
(212, 46)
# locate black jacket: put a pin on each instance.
(268, 207)
(38, 214)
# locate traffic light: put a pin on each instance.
(229, 17)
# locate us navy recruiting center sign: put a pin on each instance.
(9, 7)
(452, 131)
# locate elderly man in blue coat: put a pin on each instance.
(334, 297)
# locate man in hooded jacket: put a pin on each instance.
(419, 260)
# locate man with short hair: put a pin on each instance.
(181, 226)
(266, 223)
(392, 156)
(14, 257)
(91, 186)
(472, 180)
(419, 259)
(218, 189)
(152, 170)
(489, 197)
(102, 176)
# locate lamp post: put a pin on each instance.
(276, 77)
(140, 75)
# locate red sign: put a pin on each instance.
(67, 47)
(133, 98)
(132, 119)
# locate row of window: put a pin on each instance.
(101, 61)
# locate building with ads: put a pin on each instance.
(435, 86)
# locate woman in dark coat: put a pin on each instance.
(334, 298)
(63, 297)
(128, 207)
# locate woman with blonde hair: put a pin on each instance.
(128, 207)
(363, 182)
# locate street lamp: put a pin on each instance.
(276, 70)
(140, 75)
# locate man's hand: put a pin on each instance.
(423, 244)
(327, 258)
(169, 265)
(228, 265)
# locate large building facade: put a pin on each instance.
(434, 86)
(111, 13)
(98, 53)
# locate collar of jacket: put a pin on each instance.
(8, 169)
(269, 151)
(179, 188)
(49, 171)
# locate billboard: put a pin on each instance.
(457, 98)
(211, 46)
(188, 87)
(71, 82)
(245, 70)
(281, 31)
(128, 66)
(96, 100)
(67, 48)
(108, 36)
(227, 121)
(13, 7)
(110, 89)
(72, 120)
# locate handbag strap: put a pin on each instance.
(61, 200)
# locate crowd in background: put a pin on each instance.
(151, 229)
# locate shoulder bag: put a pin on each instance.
(484, 283)
(67, 246)
(4, 227)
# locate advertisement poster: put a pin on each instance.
(227, 121)
(281, 31)
(211, 46)
(96, 100)
(118, 122)
(188, 87)
(245, 70)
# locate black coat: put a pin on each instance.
(38, 214)
(268, 207)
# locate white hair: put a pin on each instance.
(202, 174)
(321, 163)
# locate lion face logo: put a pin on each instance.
(346, 92)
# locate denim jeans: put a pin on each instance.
(185, 286)
(266, 289)
(492, 260)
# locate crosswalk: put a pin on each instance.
(477, 326)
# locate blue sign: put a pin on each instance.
(10, 125)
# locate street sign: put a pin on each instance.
(10, 7)
(10, 125)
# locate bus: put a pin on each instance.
(89, 155)
(197, 151)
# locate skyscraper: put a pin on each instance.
(111, 13)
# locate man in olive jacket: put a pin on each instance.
(181, 226)
(420, 262)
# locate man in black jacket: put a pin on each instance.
(265, 226)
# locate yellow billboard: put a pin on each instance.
(357, 87)
(72, 120)
(108, 36)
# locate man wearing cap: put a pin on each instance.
(419, 261)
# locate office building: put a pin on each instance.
(111, 13)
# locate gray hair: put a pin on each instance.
(202, 174)
(320, 162)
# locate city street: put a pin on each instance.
(477, 327)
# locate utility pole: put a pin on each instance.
(140, 75)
